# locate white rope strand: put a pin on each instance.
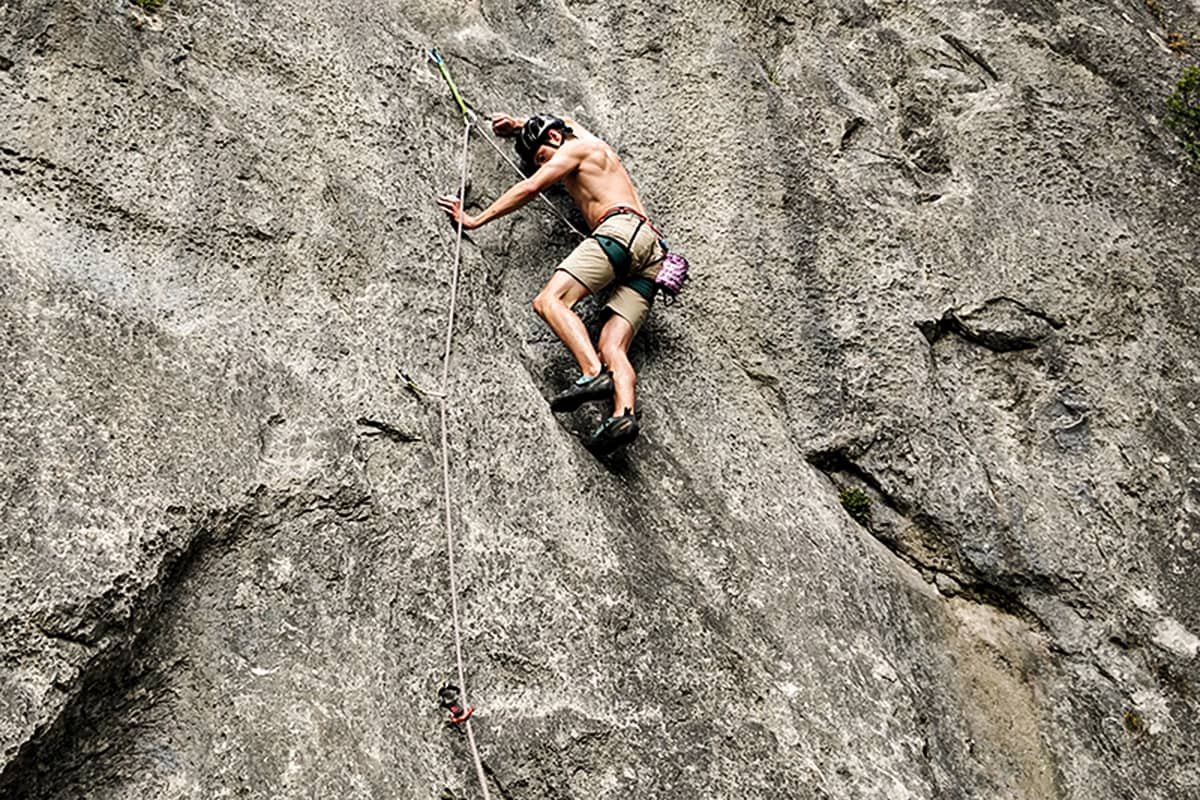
(462, 199)
(443, 402)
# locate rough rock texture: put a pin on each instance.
(945, 253)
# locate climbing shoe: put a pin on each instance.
(613, 433)
(584, 390)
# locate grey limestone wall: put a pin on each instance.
(945, 253)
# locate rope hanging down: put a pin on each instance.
(453, 697)
(443, 404)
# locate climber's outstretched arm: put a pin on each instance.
(566, 160)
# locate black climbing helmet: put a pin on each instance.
(535, 133)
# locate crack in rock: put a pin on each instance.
(1000, 324)
(927, 552)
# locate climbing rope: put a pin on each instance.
(454, 698)
(443, 398)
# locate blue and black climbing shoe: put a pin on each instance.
(614, 432)
(584, 390)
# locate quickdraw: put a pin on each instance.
(436, 58)
(472, 121)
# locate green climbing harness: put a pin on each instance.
(620, 253)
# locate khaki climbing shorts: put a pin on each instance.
(589, 265)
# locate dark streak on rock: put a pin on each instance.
(852, 128)
(958, 45)
(69, 637)
(384, 429)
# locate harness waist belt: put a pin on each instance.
(618, 210)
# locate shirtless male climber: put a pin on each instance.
(561, 150)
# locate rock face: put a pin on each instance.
(944, 254)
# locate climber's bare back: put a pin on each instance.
(591, 173)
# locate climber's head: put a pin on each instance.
(539, 138)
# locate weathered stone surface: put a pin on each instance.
(944, 253)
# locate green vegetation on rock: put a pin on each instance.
(1134, 723)
(857, 504)
(1183, 115)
